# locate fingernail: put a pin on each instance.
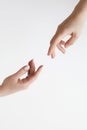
(26, 68)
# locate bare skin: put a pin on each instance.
(14, 83)
(71, 26)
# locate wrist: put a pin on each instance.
(80, 10)
(3, 91)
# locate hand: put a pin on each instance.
(14, 83)
(72, 26)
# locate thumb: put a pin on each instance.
(21, 72)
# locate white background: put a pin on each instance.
(57, 100)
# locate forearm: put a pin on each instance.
(80, 10)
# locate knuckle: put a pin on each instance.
(61, 28)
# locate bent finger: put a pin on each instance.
(21, 72)
(53, 44)
(60, 46)
(31, 78)
(55, 41)
(70, 41)
(32, 67)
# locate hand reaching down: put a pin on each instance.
(71, 26)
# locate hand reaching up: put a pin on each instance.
(14, 83)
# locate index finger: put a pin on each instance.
(53, 43)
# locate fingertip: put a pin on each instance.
(32, 60)
(41, 67)
(52, 56)
(51, 49)
(63, 52)
(49, 52)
